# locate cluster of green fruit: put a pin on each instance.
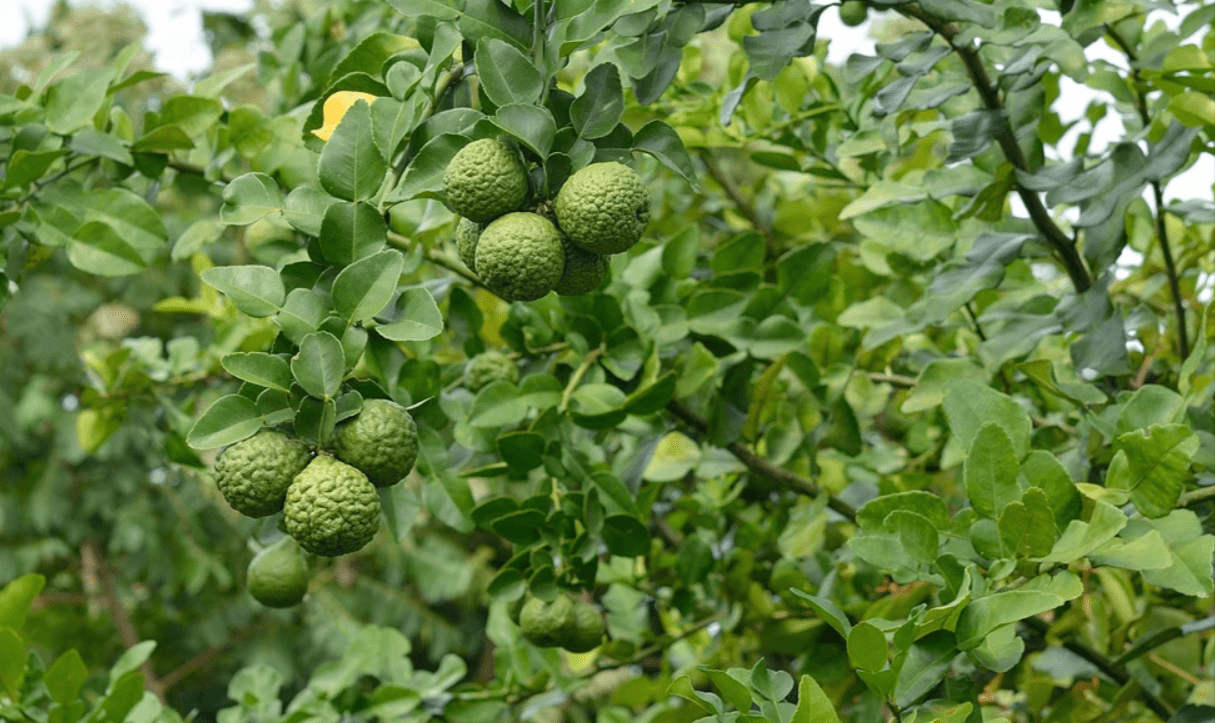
(562, 622)
(329, 503)
(523, 252)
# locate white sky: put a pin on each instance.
(175, 37)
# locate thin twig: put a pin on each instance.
(579, 373)
(1103, 664)
(1063, 246)
(745, 207)
(1183, 339)
(1195, 497)
(762, 467)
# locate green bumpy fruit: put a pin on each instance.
(331, 508)
(519, 256)
(278, 575)
(853, 13)
(584, 271)
(382, 442)
(485, 180)
(547, 625)
(253, 475)
(604, 208)
(588, 629)
(489, 367)
(467, 233)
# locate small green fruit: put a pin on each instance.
(584, 271)
(485, 180)
(588, 629)
(547, 624)
(467, 233)
(515, 607)
(381, 441)
(519, 256)
(604, 208)
(489, 367)
(253, 475)
(853, 13)
(331, 508)
(278, 575)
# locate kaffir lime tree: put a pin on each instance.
(557, 360)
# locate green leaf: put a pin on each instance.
(26, 166)
(425, 173)
(315, 420)
(72, 102)
(598, 406)
(804, 274)
(1027, 528)
(250, 197)
(256, 290)
(1153, 466)
(305, 209)
(351, 166)
(130, 661)
(1043, 471)
(661, 141)
(626, 536)
(970, 404)
(734, 692)
(16, 597)
(872, 515)
(917, 535)
(597, 110)
(264, 370)
(351, 231)
(927, 662)
(813, 705)
(415, 317)
(66, 677)
(828, 611)
(229, 420)
(1191, 551)
(99, 249)
(363, 288)
(437, 9)
(1081, 538)
(493, 19)
(301, 314)
(523, 451)
(867, 647)
(990, 472)
(674, 456)
(988, 613)
(532, 125)
(694, 561)
(12, 662)
(507, 75)
(320, 366)
(370, 55)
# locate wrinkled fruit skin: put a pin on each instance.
(547, 625)
(484, 180)
(489, 367)
(853, 13)
(332, 509)
(278, 575)
(253, 475)
(604, 208)
(588, 629)
(584, 271)
(382, 442)
(467, 233)
(519, 256)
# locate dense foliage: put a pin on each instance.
(901, 409)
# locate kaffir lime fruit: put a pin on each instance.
(547, 624)
(278, 575)
(467, 233)
(587, 631)
(519, 256)
(604, 208)
(253, 475)
(485, 180)
(584, 271)
(381, 441)
(331, 508)
(489, 367)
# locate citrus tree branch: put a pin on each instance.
(1062, 245)
(1103, 664)
(1183, 340)
(760, 466)
(745, 207)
